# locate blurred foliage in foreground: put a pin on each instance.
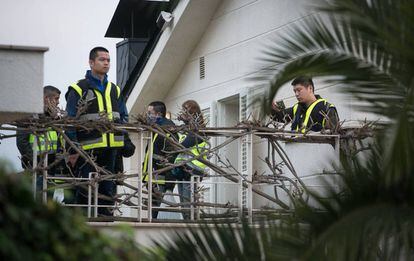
(30, 230)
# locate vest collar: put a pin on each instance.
(304, 106)
(96, 83)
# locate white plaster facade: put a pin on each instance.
(21, 71)
(231, 36)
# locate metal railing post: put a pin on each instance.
(34, 181)
(197, 182)
(89, 195)
(44, 179)
(150, 152)
(192, 198)
(250, 178)
(240, 188)
(139, 210)
(96, 195)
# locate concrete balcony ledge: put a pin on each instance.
(144, 225)
(146, 233)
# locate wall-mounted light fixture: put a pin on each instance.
(164, 20)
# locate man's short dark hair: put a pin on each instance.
(94, 52)
(49, 90)
(305, 81)
(159, 107)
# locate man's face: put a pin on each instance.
(151, 111)
(101, 64)
(152, 115)
(51, 101)
(304, 94)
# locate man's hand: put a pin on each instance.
(275, 107)
(72, 159)
(278, 106)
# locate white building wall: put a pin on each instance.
(232, 45)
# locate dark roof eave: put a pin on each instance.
(153, 38)
(135, 18)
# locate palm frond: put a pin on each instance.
(267, 241)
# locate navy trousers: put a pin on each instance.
(105, 158)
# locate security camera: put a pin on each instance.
(164, 20)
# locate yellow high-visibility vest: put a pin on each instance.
(106, 139)
(45, 144)
(308, 113)
(49, 145)
(196, 150)
(158, 179)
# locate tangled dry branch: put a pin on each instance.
(277, 159)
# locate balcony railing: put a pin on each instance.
(233, 189)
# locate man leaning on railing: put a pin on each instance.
(310, 113)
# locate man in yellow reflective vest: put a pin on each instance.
(311, 112)
(47, 143)
(91, 99)
(156, 112)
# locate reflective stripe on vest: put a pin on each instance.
(77, 89)
(158, 179)
(45, 145)
(195, 151)
(295, 109)
(102, 142)
(307, 114)
(114, 140)
(97, 116)
(58, 181)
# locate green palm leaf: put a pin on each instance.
(236, 242)
(370, 219)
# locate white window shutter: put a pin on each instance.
(244, 147)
